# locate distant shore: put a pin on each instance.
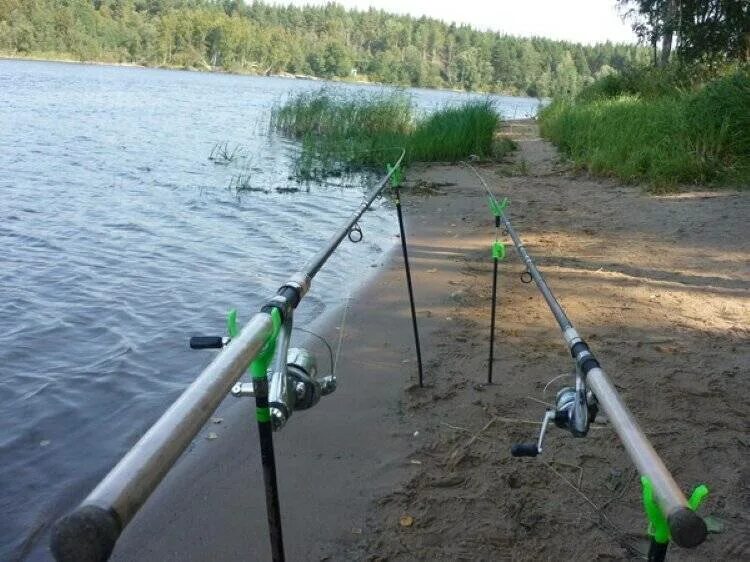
(62, 58)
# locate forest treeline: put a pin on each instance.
(325, 41)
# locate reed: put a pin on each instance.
(341, 133)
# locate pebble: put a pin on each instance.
(406, 521)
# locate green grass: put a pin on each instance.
(346, 132)
(698, 134)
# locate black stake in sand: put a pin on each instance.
(268, 461)
(498, 253)
(492, 320)
(395, 184)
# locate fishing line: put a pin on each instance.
(341, 332)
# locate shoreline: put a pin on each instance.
(668, 327)
(331, 460)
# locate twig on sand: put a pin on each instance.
(622, 492)
(454, 456)
(514, 420)
(470, 442)
(579, 492)
(455, 427)
(464, 430)
(579, 468)
(548, 404)
(602, 515)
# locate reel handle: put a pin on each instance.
(524, 450)
(206, 342)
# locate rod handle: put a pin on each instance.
(524, 450)
(88, 534)
(687, 528)
(206, 342)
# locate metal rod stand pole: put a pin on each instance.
(408, 284)
(657, 552)
(492, 321)
(268, 461)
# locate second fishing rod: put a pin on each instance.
(576, 407)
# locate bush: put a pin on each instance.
(631, 127)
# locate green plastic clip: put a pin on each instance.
(658, 528)
(497, 207)
(259, 367)
(232, 329)
(397, 175)
(498, 250)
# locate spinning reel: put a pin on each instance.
(575, 409)
(293, 382)
(303, 388)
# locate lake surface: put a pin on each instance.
(119, 238)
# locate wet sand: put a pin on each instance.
(659, 287)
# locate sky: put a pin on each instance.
(583, 21)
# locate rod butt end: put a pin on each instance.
(88, 534)
(687, 528)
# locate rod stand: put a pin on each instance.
(498, 254)
(395, 182)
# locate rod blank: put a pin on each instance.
(317, 261)
(686, 527)
(117, 498)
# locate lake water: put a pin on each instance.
(119, 238)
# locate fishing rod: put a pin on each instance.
(671, 516)
(284, 379)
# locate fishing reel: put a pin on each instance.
(293, 382)
(301, 389)
(575, 410)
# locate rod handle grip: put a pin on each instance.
(88, 534)
(206, 342)
(524, 450)
(686, 528)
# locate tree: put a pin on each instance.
(694, 29)
(323, 40)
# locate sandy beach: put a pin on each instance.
(384, 470)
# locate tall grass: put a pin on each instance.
(327, 113)
(697, 135)
(340, 133)
(453, 133)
